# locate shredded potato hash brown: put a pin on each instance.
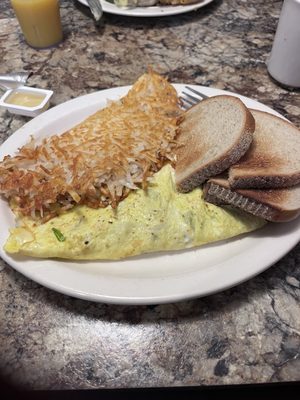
(99, 161)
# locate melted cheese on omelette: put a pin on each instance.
(156, 219)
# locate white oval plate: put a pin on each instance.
(154, 278)
(153, 11)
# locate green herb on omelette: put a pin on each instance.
(59, 236)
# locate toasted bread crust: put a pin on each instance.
(190, 175)
(264, 181)
(272, 160)
(266, 204)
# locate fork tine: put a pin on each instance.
(188, 101)
(202, 95)
(192, 99)
(185, 107)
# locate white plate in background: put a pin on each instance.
(148, 279)
(152, 11)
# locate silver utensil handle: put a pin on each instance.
(96, 9)
(14, 80)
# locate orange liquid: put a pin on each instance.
(40, 21)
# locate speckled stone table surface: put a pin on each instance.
(247, 334)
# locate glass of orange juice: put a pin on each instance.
(40, 21)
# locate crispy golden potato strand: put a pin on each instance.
(102, 159)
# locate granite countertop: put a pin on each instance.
(246, 334)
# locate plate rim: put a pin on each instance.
(293, 235)
(151, 11)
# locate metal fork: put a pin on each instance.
(188, 100)
(96, 9)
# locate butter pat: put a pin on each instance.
(27, 101)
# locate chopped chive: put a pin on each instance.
(58, 234)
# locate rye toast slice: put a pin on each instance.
(214, 135)
(273, 159)
(276, 205)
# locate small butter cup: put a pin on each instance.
(29, 111)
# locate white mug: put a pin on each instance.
(284, 62)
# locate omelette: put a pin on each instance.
(156, 219)
(105, 189)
